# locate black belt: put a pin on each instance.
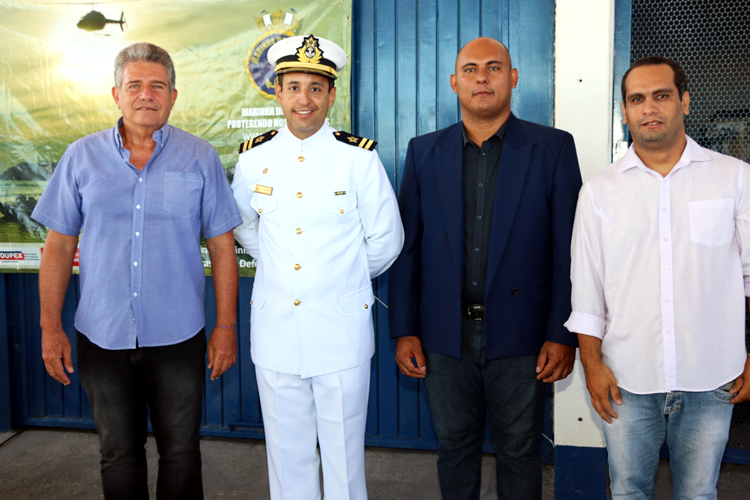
(473, 311)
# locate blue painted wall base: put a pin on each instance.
(580, 473)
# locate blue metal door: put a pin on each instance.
(404, 53)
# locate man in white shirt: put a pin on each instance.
(660, 261)
(320, 215)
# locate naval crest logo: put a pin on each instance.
(274, 26)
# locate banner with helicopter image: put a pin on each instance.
(57, 64)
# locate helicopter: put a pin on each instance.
(95, 21)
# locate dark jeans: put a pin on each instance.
(123, 387)
(461, 392)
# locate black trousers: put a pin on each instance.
(123, 387)
(462, 393)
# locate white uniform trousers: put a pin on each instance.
(299, 413)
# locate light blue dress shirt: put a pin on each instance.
(141, 269)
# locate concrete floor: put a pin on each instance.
(57, 464)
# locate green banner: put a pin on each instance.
(57, 65)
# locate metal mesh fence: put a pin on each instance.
(711, 40)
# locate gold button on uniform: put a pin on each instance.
(299, 195)
(341, 211)
(297, 267)
(297, 302)
(265, 170)
(299, 230)
(260, 210)
(251, 302)
(301, 158)
(366, 306)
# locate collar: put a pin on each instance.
(692, 153)
(160, 137)
(500, 134)
(311, 141)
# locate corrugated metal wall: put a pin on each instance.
(404, 53)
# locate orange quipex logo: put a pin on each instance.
(11, 255)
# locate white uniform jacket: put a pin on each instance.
(321, 218)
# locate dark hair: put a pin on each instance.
(331, 81)
(680, 78)
(143, 52)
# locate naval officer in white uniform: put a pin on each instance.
(320, 216)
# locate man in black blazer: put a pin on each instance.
(481, 290)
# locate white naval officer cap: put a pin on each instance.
(308, 54)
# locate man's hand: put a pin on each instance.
(222, 345)
(57, 354)
(406, 349)
(222, 350)
(741, 385)
(555, 362)
(54, 275)
(601, 383)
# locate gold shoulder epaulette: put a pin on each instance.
(353, 140)
(261, 139)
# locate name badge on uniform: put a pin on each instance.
(339, 193)
(263, 189)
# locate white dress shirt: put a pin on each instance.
(321, 218)
(660, 268)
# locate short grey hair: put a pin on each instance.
(143, 52)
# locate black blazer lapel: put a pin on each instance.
(449, 170)
(511, 179)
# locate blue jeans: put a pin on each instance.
(123, 386)
(461, 392)
(696, 427)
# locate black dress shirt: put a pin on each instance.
(480, 169)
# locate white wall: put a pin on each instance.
(584, 49)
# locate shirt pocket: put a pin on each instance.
(712, 221)
(258, 298)
(263, 204)
(182, 193)
(342, 207)
(359, 301)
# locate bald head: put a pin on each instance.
(483, 80)
(485, 42)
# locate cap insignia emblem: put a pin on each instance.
(310, 52)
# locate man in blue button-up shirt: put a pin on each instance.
(140, 195)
